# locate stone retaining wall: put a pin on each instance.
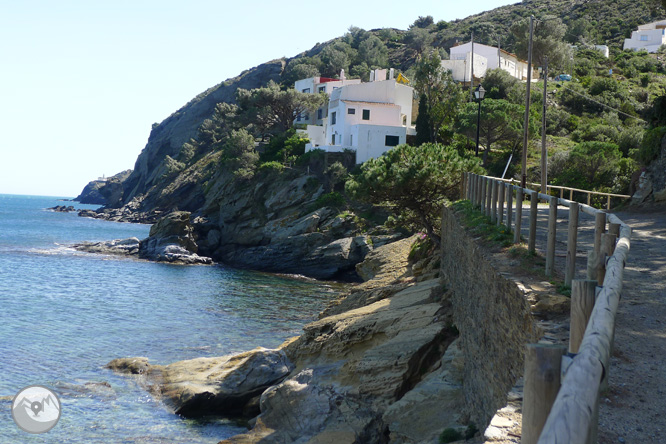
(493, 317)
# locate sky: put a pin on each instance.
(82, 82)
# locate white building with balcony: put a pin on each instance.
(648, 37)
(368, 118)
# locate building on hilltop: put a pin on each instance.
(485, 58)
(367, 118)
(649, 37)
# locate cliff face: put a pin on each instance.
(168, 137)
(104, 192)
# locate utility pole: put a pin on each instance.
(471, 77)
(499, 52)
(544, 151)
(523, 179)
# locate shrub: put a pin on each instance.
(450, 435)
(651, 146)
(272, 166)
(333, 199)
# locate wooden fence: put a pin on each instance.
(561, 391)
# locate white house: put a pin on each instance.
(493, 58)
(368, 118)
(461, 67)
(649, 37)
(316, 85)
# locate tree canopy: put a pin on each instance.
(548, 41)
(442, 96)
(413, 182)
(273, 110)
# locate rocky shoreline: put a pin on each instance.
(383, 363)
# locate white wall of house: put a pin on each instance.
(461, 68)
(495, 57)
(371, 140)
(649, 37)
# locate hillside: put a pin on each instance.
(241, 215)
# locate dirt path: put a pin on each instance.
(634, 411)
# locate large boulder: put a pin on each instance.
(171, 239)
(225, 386)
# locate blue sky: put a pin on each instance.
(81, 82)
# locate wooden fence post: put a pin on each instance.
(572, 240)
(509, 205)
(484, 190)
(614, 229)
(552, 234)
(475, 187)
(500, 204)
(599, 229)
(489, 197)
(519, 215)
(493, 202)
(543, 365)
(534, 210)
(592, 265)
(582, 303)
(605, 251)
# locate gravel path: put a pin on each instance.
(634, 409)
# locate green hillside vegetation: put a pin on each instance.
(596, 124)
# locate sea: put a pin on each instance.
(64, 314)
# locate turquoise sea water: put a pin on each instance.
(65, 314)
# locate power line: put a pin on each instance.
(603, 104)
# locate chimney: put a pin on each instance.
(391, 72)
(342, 75)
(372, 75)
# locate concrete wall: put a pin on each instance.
(493, 317)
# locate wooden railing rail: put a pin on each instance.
(567, 413)
(571, 191)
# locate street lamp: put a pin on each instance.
(479, 93)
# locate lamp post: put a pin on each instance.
(479, 93)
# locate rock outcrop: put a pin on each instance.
(225, 386)
(171, 240)
(107, 191)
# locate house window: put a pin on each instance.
(333, 139)
(366, 114)
(298, 117)
(392, 141)
(644, 38)
(320, 113)
(306, 117)
(351, 111)
(322, 89)
(306, 90)
(333, 118)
